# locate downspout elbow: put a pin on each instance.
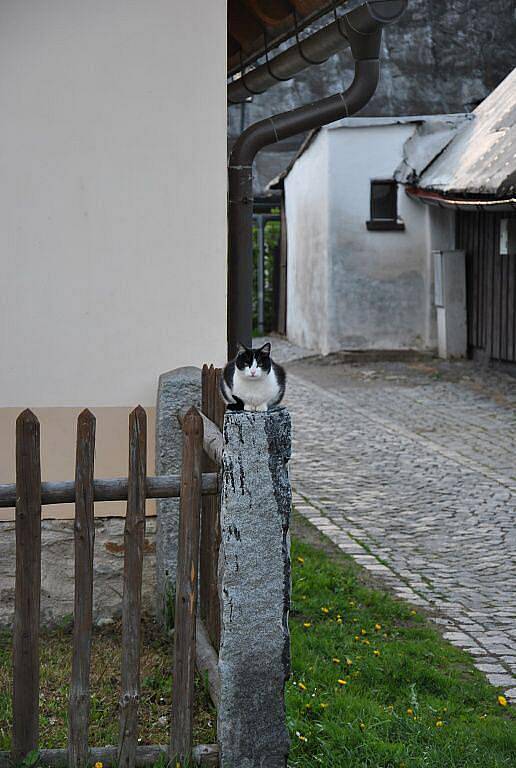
(308, 117)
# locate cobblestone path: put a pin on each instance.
(415, 477)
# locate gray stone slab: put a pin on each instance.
(177, 390)
(254, 586)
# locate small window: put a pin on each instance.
(384, 206)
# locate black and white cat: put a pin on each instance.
(253, 381)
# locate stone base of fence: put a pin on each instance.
(177, 391)
(57, 569)
(254, 588)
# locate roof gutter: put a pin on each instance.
(461, 203)
(363, 29)
(315, 49)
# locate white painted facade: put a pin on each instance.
(348, 287)
(112, 208)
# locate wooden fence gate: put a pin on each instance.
(200, 434)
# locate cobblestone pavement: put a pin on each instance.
(411, 469)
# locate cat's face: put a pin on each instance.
(254, 363)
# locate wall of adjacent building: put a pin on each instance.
(378, 284)
(112, 211)
(307, 211)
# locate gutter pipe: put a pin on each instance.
(363, 29)
(315, 49)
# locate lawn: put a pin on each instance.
(156, 694)
(374, 685)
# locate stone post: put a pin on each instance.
(254, 587)
(177, 390)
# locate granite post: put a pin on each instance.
(177, 390)
(254, 588)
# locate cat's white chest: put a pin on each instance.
(255, 393)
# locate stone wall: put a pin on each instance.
(57, 583)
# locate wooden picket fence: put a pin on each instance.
(198, 483)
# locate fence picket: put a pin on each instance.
(134, 537)
(84, 538)
(28, 587)
(186, 588)
(210, 533)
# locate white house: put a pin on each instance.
(359, 265)
(401, 233)
(112, 212)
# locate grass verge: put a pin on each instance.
(373, 684)
(156, 693)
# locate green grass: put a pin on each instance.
(363, 723)
(401, 678)
(156, 693)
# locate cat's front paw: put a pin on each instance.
(262, 408)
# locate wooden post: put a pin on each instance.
(84, 536)
(134, 537)
(28, 587)
(186, 589)
(213, 408)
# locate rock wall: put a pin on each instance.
(442, 56)
(57, 569)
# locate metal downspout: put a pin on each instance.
(363, 30)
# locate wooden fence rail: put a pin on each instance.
(27, 495)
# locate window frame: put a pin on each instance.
(391, 224)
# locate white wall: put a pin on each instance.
(112, 197)
(378, 282)
(307, 207)
(378, 278)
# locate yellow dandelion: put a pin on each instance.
(301, 560)
(325, 610)
(410, 711)
(357, 637)
(339, 620)
(307, 624)
(308, 706)
(439, 724)
(349, 662)
(101, 765)
(366, 641)
(376, 653)
(363, 631)
(302, 686)
(502, 701)
(377, 627)
(413, 613)
(336, 660)
(342, 682)
(361, 726)
(323, 705)
(352, 603)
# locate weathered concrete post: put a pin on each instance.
(254, 585)
(177, 390)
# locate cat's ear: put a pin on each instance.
(241, 348)
(266, 349)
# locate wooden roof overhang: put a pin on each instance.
(255, 26)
